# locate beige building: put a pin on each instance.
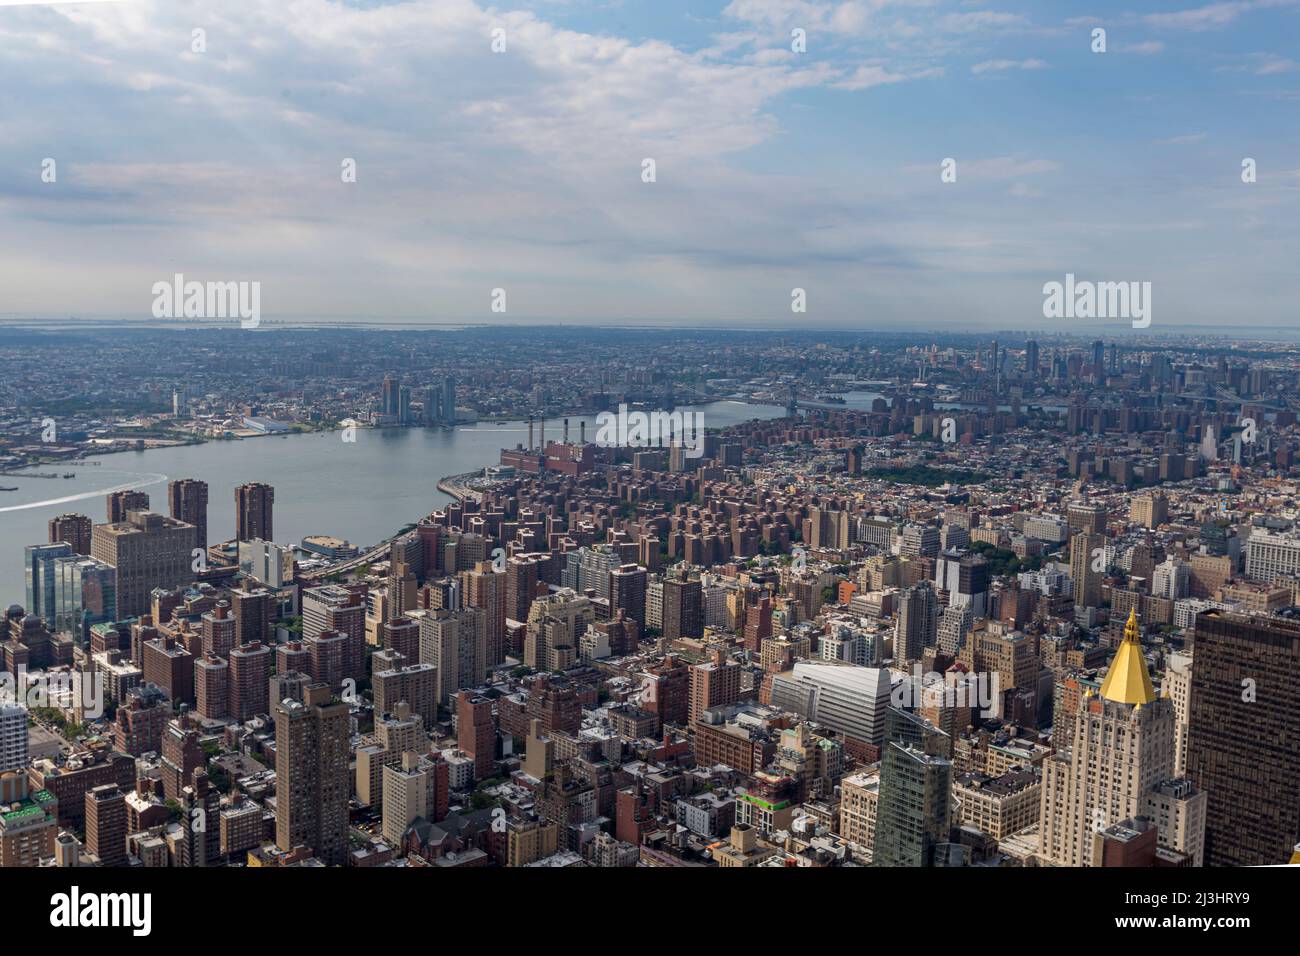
(530, 841)
(1150, 511)
(1178, 688)
(859, 798)
(455, 642)
(743, 849)
(555, 624)
(147, 551)
(1122, 751)
(408, 793)
(998, 806)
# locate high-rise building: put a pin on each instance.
(218, 630)
(1121, 755)
(311, 775)
(147, 551)
(85, 595)
(846, 699)
(121, 502)
(913, 814)
(521, 586)
(250, 671)
(476, 731)
(627, 587)
(38, 562)
(486, 589)
(859, 803)
(29, 825)
(212, 687)
(918, 622)
(412, 788)
(715, 683)
(1149, 510)
(1271, 556)
(182, 754)
(1083, 559)
(253, 610)
(448, 400)
(73, 529)
(1177, 686)
(454, 642)
(1243, 745)
(187, 500)
(253, 506)
(106, 824)
(333, 607)
(683, 609)
(1171, 580)
(555, 625)
(264, 562)
(13, 737)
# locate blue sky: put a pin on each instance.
(775, 169)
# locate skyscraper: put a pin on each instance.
(311, 775)
(85, 594)
(918, 622)
(455, 642)
(147, 551)
(486, 589)
(1083, 560)
(476, 731)
(72, 528)
(1243, 745)
(13, 737)
(333, 607)
(715, 683)
(683, 609)
(187, 499)
(913, 812)
(120, 502)
(448, 401)
(627, 585)
(1116, 769)
(253, 504)
(42, 585)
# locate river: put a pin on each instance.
(363, 491)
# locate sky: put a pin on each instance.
(523, 169)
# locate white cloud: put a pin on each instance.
(991, 66)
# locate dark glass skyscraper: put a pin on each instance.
(1243, 744)
(913, 817)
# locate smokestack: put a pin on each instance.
(566, 431)
(543, 438)
(582, 431)
(530, 433)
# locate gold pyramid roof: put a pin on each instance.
(1127, 680)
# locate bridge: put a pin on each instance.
(377, 553)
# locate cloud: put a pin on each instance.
(989, 66)
(1183, 140)
(1145, 48)
(872, 75)
(1208, 17)
(993, 168)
